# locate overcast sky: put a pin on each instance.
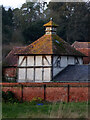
(18, 3)
(14, 3)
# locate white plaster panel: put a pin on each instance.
(21, 74)
(63, 64)
(30, 74)
(54, 59)
(47, 63)
(21, 80)
(56, 71)
(70, 60)
(38, 61)
(47, 74)
(80, 60)
(77, 59)
(20, 59)
(63, 61)
(38, 74)
(24, 62)
(30, 61)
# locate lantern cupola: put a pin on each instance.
(50, 27)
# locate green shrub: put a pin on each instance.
(9, 96)
(4, 96)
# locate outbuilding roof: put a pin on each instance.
(83, 47)
(74, 73)
(77, 44)
(50, 44)
(11, 59)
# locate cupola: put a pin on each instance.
(50, 27)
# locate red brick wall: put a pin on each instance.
(9, 72)
(53, 91)
(32, 92)
(56, 94)
(78, 94)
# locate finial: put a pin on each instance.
(51, 19)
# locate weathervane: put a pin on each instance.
(51, 19)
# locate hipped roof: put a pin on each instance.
(74, 73)
(50, 24)
(50, 44)
(11, 59)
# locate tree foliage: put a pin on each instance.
(73, 20)
(25, 25)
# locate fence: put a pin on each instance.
(52, 92)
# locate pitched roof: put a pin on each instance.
(11, 59)
(77, 44)
(50, 23)
(74, 73)
(49, 44)
(85, 51)
(83, 47)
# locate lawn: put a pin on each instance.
(47, 110)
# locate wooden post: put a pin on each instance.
(44, 92)
(21, 93)
(26, 70)
(68, 87)
(43, 68)
(52, 68)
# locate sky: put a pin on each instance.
(14, 3)
(18, 3)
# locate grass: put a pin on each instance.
(51, 110)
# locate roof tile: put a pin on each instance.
(50, 44)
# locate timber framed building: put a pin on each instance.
(45, 58)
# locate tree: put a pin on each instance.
(72, 19)
(7, 25)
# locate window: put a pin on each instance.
(48, 28)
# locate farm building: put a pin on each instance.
(83, 47)
(10, 67)
(45, 58)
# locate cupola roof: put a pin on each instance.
(50, 24)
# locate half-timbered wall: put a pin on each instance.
(43, 68)
(60, 62)
(74, 60)
(34, 68)
(80, 60)
(70, 60)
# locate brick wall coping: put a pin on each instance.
(47, 84)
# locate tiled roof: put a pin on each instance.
(74, 73)
(50, 23)
(50, 44)
(11, 59)
(86, 51)
(77, 44)
(83, 47)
